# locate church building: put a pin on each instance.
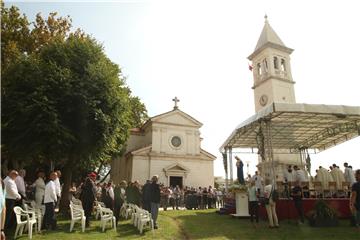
(168, 145)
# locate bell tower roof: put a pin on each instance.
(269, 38)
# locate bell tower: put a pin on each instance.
(273, 83)
(271, 69)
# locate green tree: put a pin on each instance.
(63, 100)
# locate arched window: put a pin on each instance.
(283, 68)
(259, 71)
(276, 63)
(266, 65)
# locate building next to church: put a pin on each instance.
(168, 145)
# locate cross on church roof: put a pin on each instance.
(176, 100)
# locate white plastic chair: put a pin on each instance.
(106, 215)
(76, 202)
(144, 218)
(77, 214)
(129, 210)
(28, 223)
(37, 211)
(135, 215)
(123, 209)
(98, 209)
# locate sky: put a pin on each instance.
(197, 51)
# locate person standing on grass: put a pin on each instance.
(88, 196)
(58, 186)
(50, 200)
(297, 196)
(146, 196)
(119, 194)
(39, 185)
(253, 203)
(11, 199)
(355, 199)
(20, 183)
(155, 199)
(270, 205)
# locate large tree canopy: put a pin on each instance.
(62, 99)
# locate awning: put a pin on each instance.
(298, 126)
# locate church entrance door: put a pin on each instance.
(176, 181)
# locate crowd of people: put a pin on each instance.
(15, 192)
(263, 192)
(46, 190)
(151, 196)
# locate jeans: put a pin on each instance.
(254, 211)
(154, 211)
(271, 212)
(357, 218)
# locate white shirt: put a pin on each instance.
(267, 190)
(111, 193)
(20, 184)
(57, 187)
(50, 192)
(289, 176)
(258, 181)
(349, 175)
(11, 189)
(300, 176)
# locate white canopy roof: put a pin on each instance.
(299, 126)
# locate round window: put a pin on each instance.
(176, 141)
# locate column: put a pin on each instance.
(231, 165)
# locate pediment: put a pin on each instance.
(176, 167)
(177, 117)
(142, 151)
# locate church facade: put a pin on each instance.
(168, 145)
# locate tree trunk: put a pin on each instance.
(4, 167)
(67, 177)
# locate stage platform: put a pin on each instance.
(285, 208)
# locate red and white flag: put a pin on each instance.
(250, 67)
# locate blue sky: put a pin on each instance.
(197, 51)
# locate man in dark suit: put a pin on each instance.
(88, 196)
(155, 199)
(146, 194)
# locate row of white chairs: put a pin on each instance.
(77, 214)
(139, 217)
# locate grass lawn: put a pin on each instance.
(203, 224)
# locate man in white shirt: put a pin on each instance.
(11, 198)
(289, 175)
(300, 175)
(50, 200)
(20, 183)
(258, 183)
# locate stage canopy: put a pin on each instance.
(297, 127)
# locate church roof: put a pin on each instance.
(268, 37)
(175, 111)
